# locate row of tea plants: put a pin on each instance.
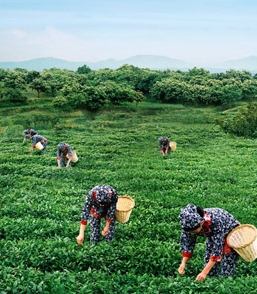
(41, 205)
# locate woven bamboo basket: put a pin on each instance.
(39, 146)
(173, 145)
(124, 208)
(243, 240)
(74, 156)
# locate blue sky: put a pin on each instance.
(202, 32)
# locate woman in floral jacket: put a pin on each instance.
(100, 204)
(215, 224)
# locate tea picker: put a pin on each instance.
(31, 132)
(65, 155)
(215, 224)
(103, 202)
(100, 204)
(38, 142)
(166, 145)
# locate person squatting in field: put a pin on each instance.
(215, 224)
(31, 132)
(35, 139)
(100, 204)
(64, 155)
(164, 145)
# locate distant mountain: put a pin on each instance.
(248, 63)
(142, 61)
(40, 64)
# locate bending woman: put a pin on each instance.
(215, 224)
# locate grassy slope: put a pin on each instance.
(40, 205)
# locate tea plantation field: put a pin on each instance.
(41, 204)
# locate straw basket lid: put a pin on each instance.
(242, 236)
(124, 208)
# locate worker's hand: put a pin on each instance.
(201, 277)
(181, 269)
(67, 166)
(31, 149)
(80, 239)
(105, 231)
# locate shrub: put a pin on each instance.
(244, 123)
(12, 95)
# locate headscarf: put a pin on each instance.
(189, 217)
(61, 145)
(103, 194)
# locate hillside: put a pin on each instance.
(41, 204)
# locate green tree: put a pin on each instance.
(169, 90)
(243, 123)
(198, 94)
(15, 79)
(249, 89)
(238, 75)
(117, 94)
(89, 97)
(84, 70)
(12, 95)
(3, 74)
(196, 73)
(232, 94)
(32, 75)
(101, 75)
(39, 85)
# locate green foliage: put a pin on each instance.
(84, 69)
(170, 91)
(128, 83)
(243, 123)
(12, 95)
(61, 102)
(41, 204)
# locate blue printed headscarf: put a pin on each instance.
(61, 145)
(102, 194)
(189, 217)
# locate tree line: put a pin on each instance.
(94, 89)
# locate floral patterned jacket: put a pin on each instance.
(218, 223)
(92, 207)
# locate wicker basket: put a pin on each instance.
(39, 146)
(243, 240)
(173, 145)
(124, 208)
(74, 156)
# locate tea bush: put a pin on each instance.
(41, 205)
